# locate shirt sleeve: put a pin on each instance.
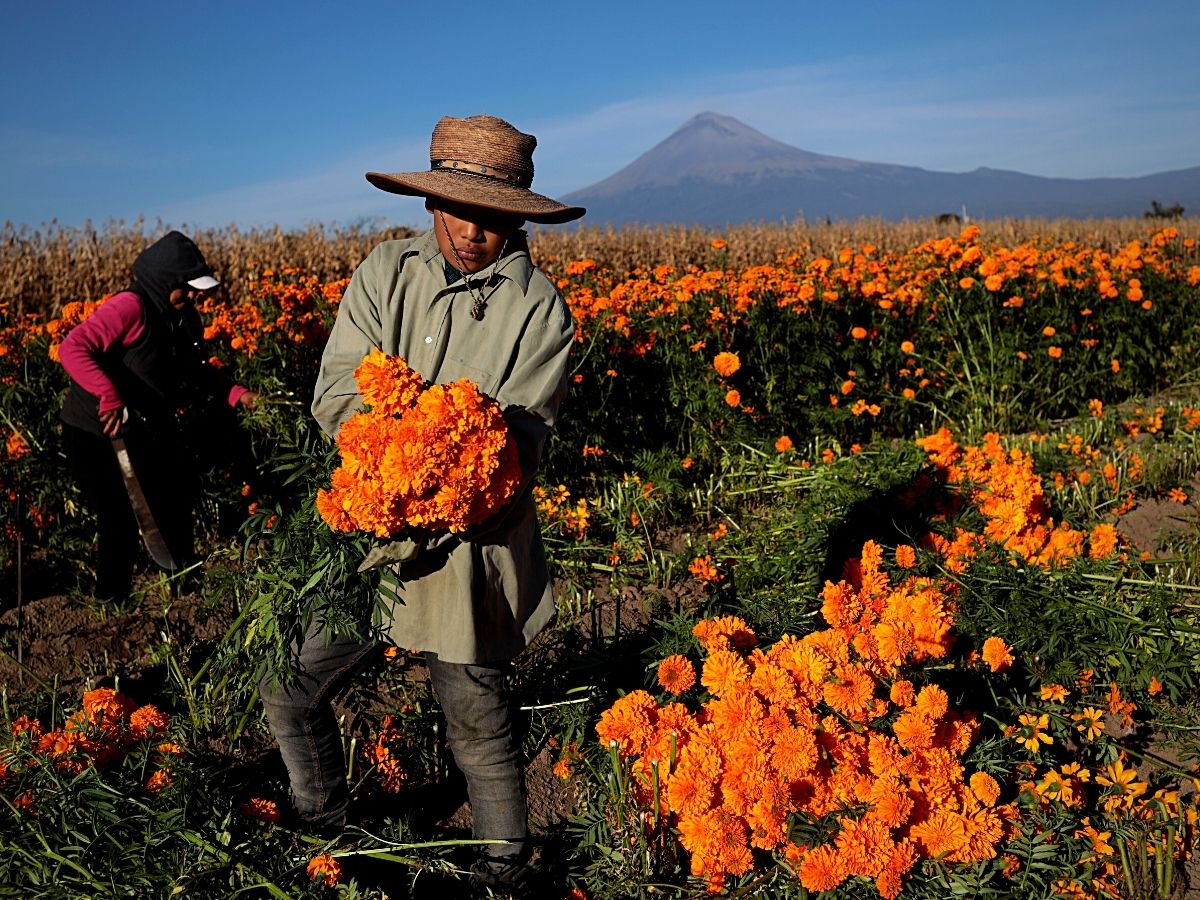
(356, 331)
(118, 324)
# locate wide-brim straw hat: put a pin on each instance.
(480, 161)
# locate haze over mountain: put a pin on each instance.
(715, 170)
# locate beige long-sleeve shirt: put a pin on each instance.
(481, 599)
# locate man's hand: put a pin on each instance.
(110, 421)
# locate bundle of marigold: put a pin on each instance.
(817, 726)
(437, 458)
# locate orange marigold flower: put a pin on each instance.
(15, 446)
(723, 671)
(147, 720)
(821, 869)
(159, 780)
(718, 244)
(783, 444)
(1103, 541)
(676, 674)
(387, 383)
(726, 363)
(1055, 693)
(1031, 732)
(1055, 352)
(1155, 687)
(1179, 495)
(847, 386)
(985, 788)
(324, 867)
(858, 332)
(997, 655)
(906, 556)
(702, 569)
(1115, 365)
(902, 693)
(27, 725)
(1089, 723)
(907, 347)
(260, 808)
(733, 398)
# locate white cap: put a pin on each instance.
(203, 283)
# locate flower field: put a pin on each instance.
(876, 563)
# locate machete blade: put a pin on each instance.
(141, 509)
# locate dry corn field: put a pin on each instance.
(41, 269)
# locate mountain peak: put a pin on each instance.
(714, 147)
(714, 169)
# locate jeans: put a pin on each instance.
(478, 731)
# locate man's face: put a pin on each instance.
(470, 237)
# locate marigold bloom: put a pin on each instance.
(160, 780)
(1031, 733)
(901, 693)
(27, 725)
(260, 808)
(733, 398)
(783, 444)
(723, 671)
(997, 654)
(1089, 723)
(324, 867)
(702, 569)
(985, 788)
(441, 459)
(148, 720)
(858, 332)
(907, 347)
(906, 556)
(726, 363)
(1055, 693)
(676, 674)
(15, 446)
(821, 870)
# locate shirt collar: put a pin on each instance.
(515, 264)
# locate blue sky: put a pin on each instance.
(257, 113)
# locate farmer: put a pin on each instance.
(135, 363)
(463, 300)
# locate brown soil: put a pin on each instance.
(59, 643)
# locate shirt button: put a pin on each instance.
(428, 339)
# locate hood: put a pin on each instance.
(168, 263)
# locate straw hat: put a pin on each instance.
(480, 161)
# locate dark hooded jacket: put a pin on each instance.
(165, 370)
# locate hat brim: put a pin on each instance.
(477, 190)
(203, 283)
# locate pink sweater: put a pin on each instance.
(119, 323)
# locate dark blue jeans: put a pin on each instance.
(474, 700)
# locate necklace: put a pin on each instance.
(478, 301)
